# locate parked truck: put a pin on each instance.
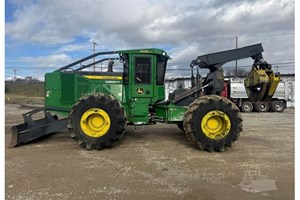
(234, 89)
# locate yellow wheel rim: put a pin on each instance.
(215, 124)
(95, 122)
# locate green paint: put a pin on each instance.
(138, 89)
(170, 113)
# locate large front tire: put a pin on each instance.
(212, 123)
(97, 121)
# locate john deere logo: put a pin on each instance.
(140, 91)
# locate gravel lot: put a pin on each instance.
(156, 163)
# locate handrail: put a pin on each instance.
(84, 59)
(93, 63)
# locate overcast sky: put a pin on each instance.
(42, 35)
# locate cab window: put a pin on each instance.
(142, 70)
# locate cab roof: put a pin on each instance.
(144, 51)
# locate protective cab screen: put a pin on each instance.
(143, 70)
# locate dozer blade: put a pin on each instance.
(33, 129)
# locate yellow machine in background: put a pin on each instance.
(261, 83)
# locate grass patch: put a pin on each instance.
(25, 92)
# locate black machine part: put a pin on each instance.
(214, 80)
(184, 97)
(66, 67)
(33, 129)
(215, 61)
(110, 66)
(99, 61)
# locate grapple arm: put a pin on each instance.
(215, 61)
(261, 83)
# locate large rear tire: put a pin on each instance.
(212, 123)
(97, 121)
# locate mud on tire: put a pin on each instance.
(200, 108)
(111, 107)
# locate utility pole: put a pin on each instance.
(15, 74)
(236, 46)
(94, 43)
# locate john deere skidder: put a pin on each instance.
(96, 107)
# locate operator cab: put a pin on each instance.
(143, 79)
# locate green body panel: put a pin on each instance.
(170, 113)
(138, 111)
(64, 89)
(141, 87)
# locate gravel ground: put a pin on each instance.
(156, 163)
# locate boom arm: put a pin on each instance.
(261, 81)
(218, 59)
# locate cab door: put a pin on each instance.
(142, 81)
(141, 87)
